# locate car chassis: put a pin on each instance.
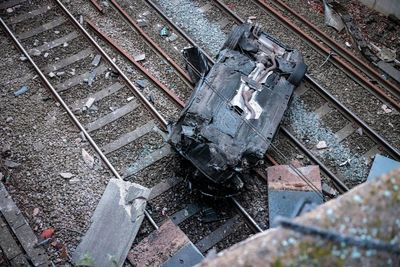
(236, 107)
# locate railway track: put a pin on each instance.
(99, 78)
(151, 122)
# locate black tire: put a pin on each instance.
(234, 37)
(298, 73)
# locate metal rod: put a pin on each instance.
(104, 54)
(256, 227)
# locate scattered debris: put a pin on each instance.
(81, 19)
(299, 156)
(321, 145)
(172, 37)
(130, 98)
(23, 58)
(87, 158)
(36, 42)
(332, 19)
(47, 233)
(9, 119)
(72, 72)
(89, 102)
(386, 109)
(21, 91)
(142, 22)
(35, 212)
(74, 180)
(56, 32)
(66, 175)
(60, 73)
(164, 31)
(360, 131)
(52, 75)
(10, 10)
(329, 190)
(344, 163)
(142, 83)
(151, 99)
(96, 60)
(348, 44)
(91, 77)
(11, 164)
(42, 243)
(65, 44)
(46, 55)
(139, 57)
(35, 52)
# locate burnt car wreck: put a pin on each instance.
(236, 107)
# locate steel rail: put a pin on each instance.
(338, 62)
(149, 41)
(340, 185)
(68, 110)
(395, 153)
(136, 90)
(97, 5)
(253, 223)
(367, 69)
(139, 66)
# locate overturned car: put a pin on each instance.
(236, 107)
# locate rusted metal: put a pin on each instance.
(371, 72)
(155, 46)
(353, 73)
(169, 92)
(97, 6)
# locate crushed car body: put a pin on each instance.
(236, 107)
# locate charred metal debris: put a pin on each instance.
(236, 107)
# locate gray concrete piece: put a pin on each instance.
(115, 223)
(187, 256)
(380, 166)
(285, 203)
(45, 27)
(384, 6)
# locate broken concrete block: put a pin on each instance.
(87, 158)
(115, 224)
(142, 83)
(89, 102)
(139, 57)
(321, 145)
(96, 60)
(142, 22)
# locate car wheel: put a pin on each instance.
(298, 73)
(234, 37)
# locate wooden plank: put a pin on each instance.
(148, 160)
(115, 223)
(28, 240)
(228, 228)
(127, 138)
(98, 95)
(345, 132)
(7, 243)
(19, 261)
(57, 42)
(9, 210)
(323, 110)
(79, 79)
(158, 246)
(110, 117)
(10, 3)
(163, 186)
(21, 229)
(68, 61)
(42, 28)
(29, 15)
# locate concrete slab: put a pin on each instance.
(115, 223)
(286, 203)
(380, 166)
(284, 177)
(187, 256)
